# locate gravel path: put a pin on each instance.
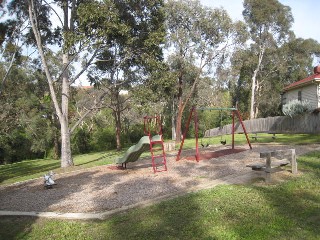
(101, 189)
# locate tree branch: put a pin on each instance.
(54, 12)
(7, 72)
(84, 68)
(36, 32)
(94, 107)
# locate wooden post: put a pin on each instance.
(268, 167)
(294, 165)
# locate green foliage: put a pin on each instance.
(26, 128)
(265, 18)
(290, 62)
(103, 139)
(81, 141)
(296, 107)
(135, 132)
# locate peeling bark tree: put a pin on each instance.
(73, 42)
(269, 22)
(199, 39)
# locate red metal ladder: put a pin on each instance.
(159, 162)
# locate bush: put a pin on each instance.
(81, 141)
(103, 139)
(136, 131)
(296, 107)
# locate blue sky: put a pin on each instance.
(305, 13)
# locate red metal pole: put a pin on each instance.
(196, 132)
(185, 134)
(244, 129)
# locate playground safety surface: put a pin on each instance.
(206, 155)
(103, 190)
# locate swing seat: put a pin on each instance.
(207, 145)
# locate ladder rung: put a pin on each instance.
(157, 149)
(158, 156)
(155, 142)
(161, 168)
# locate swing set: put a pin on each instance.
(223, 142)
(193, 113)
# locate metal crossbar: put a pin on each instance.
(217, 108)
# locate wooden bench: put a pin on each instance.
(276, 159)
(255, 137)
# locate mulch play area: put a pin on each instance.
(101, 189)
(206, 155)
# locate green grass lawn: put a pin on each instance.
(30, 169)
(287, 210)
(240, 139)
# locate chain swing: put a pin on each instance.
(223, 142)
(204, 144)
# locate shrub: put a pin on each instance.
(296, 107)
(103, 139)
(136, 131)
(81, 141)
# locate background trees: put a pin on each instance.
(269, 24)
(119, 45)
(130, 52)
(199, 39)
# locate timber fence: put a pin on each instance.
(306, 123)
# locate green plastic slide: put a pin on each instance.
(134, 152)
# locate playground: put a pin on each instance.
(103, 190)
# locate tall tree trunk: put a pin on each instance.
(118, 130)
(117, 118)
(257, 95)
(180, 111)
(178, 122)
(254, 83)
(66, 157)
(182, 103)
(174, 136)
(253, 90)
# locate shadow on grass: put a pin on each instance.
(26, 169)
(296, 207)
(13, 227)
(171, 219)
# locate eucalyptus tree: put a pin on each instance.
(269, 23)
(10, 44)
(198, 40)
(132, 51)
(75, 38)
(23, 115)
(290, 62)
(72, 42)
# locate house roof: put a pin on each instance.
(306, 81)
